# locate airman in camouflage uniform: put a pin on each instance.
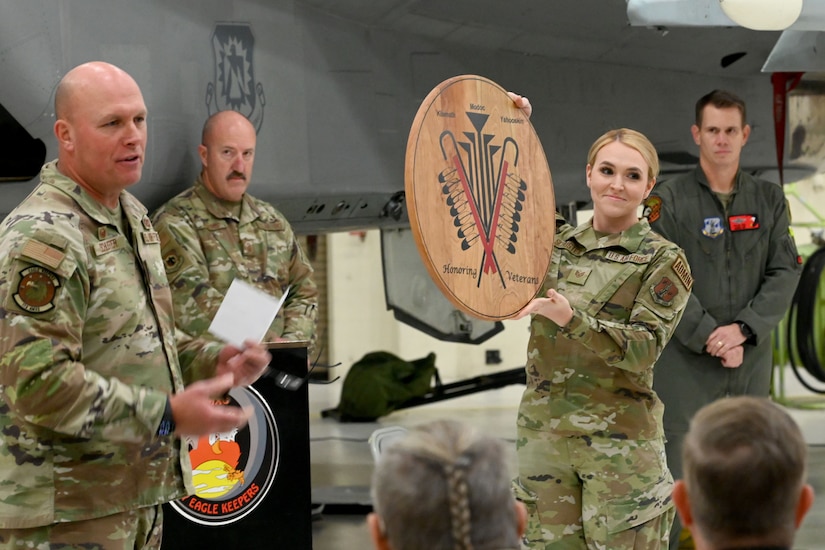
(215, 232)
(592, 468)
(91, 381)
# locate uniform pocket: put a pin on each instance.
(650, 494)
(530, 500)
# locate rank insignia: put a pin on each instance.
(579, 275)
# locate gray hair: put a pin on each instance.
(445, 487)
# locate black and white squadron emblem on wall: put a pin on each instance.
(234, 87)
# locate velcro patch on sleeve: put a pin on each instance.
(36, 289)
(174, 261)
(682, 271)
(43, 253)
(664, 291)
(652, 208)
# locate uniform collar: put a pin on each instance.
(630, 239)
(703, 179)
(219, 209)
(133, 209)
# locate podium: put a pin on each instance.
(253, 488)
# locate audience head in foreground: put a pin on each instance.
(444, 486)
(744, 476)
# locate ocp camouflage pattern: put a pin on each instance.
(590, 440)
(87, 358)
(595, 375)
(206, 246)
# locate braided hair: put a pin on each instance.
(445, 487)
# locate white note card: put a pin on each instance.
(245, 314)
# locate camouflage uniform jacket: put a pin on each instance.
(87, 358)
(594, 376)
(206, 246)
(749, 274)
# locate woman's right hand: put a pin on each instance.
(555, 307)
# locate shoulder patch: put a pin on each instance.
(173, 255)
(652, 208)
(36, 289)
(43, 253)
(172, 262)
(682, 271)
(664, 292)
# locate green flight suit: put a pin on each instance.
(749, 274)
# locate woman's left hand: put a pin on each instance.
(522, 103)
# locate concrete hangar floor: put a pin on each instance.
(342, 462)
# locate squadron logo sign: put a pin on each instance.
(234, 87)
(233, 471)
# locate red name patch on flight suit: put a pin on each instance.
(743, 222)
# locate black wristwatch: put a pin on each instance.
(167, 423)
(746, 331)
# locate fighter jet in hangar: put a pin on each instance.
(332, 87)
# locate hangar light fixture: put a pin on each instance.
(763, 15)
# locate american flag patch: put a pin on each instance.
(43, 253)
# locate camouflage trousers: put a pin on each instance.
(131, 530)
(593, 493)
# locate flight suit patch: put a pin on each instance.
(652, 208)
(664, 292)
(743, 222)
(36, 289)
(713, 227)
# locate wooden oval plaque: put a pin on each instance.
(480, 197)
